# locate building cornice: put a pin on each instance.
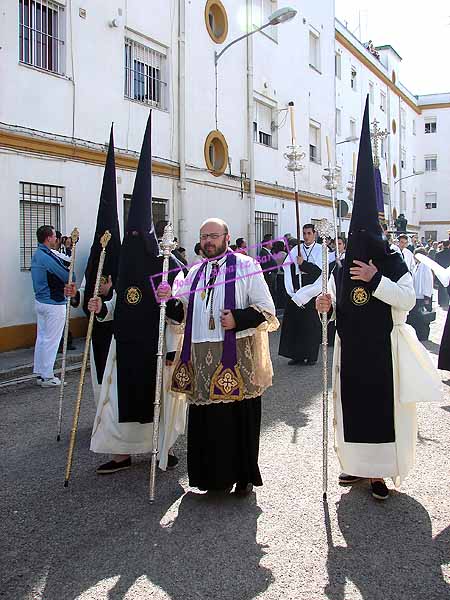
(368, 63)
(434, 106)
(36, 145)
(65, 150)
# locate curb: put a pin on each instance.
(25, 372)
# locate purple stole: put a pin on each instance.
(226, 382)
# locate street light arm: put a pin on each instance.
(408, 176)
(217, 55)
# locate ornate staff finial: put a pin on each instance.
(377, 134)
(167, 243)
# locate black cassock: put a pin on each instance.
(223, 437)
(301, 329)
(444, 351)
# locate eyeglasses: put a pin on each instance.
(212, 236)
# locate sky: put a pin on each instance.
(418, 31)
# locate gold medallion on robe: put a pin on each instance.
(359, 296)
(133, 295)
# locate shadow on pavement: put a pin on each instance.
(294, 390)
(390, 551)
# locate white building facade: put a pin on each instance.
(72, 68)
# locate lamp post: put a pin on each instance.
(279, 16)
(408, 176)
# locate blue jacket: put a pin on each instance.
(49, 276)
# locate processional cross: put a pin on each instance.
(377, 134)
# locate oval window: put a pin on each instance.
(216, 153)
(394, 126)
(216, 21)
(394, 170)
(394, 77)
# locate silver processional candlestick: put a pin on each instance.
(324, 229)
(332, 178)
(295, 156)
(167, 244)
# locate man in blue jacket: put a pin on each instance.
(51, 286)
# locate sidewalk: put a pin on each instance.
(17, 365)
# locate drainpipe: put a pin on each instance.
(250, 145)
(181, 119)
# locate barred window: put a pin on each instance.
(159, 209)
(265, 223)
(41, 34)
(145, 74)
(40, 204)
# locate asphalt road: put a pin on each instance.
(101, 539)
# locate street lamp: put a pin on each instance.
(408, 176)
(352, 138)
(279, 16)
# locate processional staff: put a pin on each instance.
(73, 434)
(294, 158)
(167, 244)
(324, 230)
(75, 236)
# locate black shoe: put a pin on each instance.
(310, 362)
(113, 466)
(293, 361)
(345, 479)
(172, 462)
(243, 489)
(379, 490)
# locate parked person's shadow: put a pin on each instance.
(390, 552)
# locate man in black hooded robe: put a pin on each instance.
(375, 430)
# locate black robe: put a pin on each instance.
(223, 437)
(301, 329)
(444, 351)
(364, 325)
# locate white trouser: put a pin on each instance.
(50, 326)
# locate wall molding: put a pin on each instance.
(24, 336)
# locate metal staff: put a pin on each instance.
(73, 434)
(331, 177)
(167, 245)
(324, 230)
(294, 158)
(74, 235)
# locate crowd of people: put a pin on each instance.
(219, 312)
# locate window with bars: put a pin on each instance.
(263, 130)
(145, 74)
(383, 101)
(40, 204)
(430, 200)
(314, 142)
(430, 125)
(371, 93)
(159, 208)
(265, 223)
(431, 162)
(41, 35)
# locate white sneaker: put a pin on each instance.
(39, 380)
(51, 382)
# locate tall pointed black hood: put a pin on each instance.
(106, 219)
(140, 216)
(365, 209)
(136, 315)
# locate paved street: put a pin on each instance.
(101, 539)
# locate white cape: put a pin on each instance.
(111, 437)
(416, 379)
